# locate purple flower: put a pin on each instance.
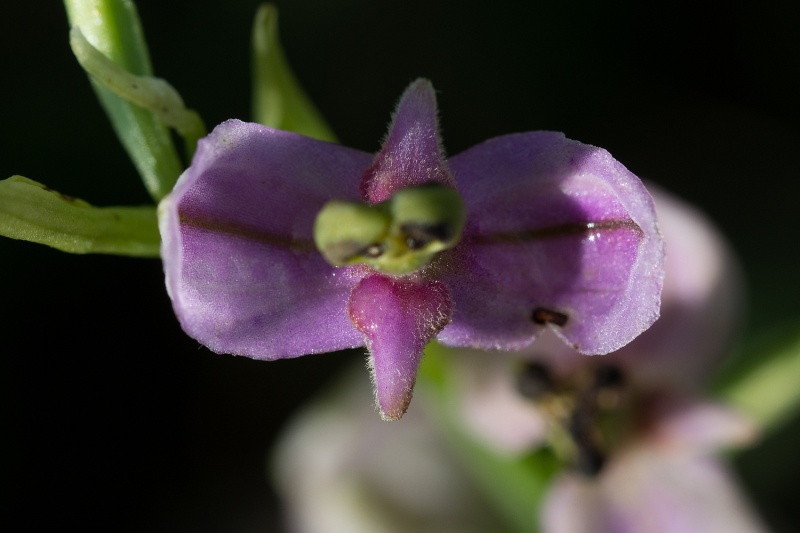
(669, 482)
(340, 469)
(557, 235)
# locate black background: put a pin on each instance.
(116, 421)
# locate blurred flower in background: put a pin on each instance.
(340, 469)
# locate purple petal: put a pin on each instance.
(675, 493)
(558, 234)
(695, 426)
(646, 490)
(411, 154)
(578, 505)
(397, 317)
(238, 252)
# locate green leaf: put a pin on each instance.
(762, 380)
(113, 28)
(278, 99)
(515, 485)
(30, 211)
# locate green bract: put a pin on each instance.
(278, 100)
(762, 380)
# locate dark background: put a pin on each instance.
(116, 421)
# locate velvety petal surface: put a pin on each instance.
(397, 317)
(411, 154)
(558, 234)
(240, 262)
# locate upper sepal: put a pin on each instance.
(412, 151)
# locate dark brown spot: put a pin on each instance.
(589, 459)
(542, 315)
(535, 381)
(609, 377)
(65, 197)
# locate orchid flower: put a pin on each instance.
(634, 425)
(277, 245)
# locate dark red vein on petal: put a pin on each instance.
(558, 231)
(247, 232)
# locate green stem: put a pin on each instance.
(113, 28)
(516, 485)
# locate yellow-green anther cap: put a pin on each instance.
(347, 233)
(398, 236)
